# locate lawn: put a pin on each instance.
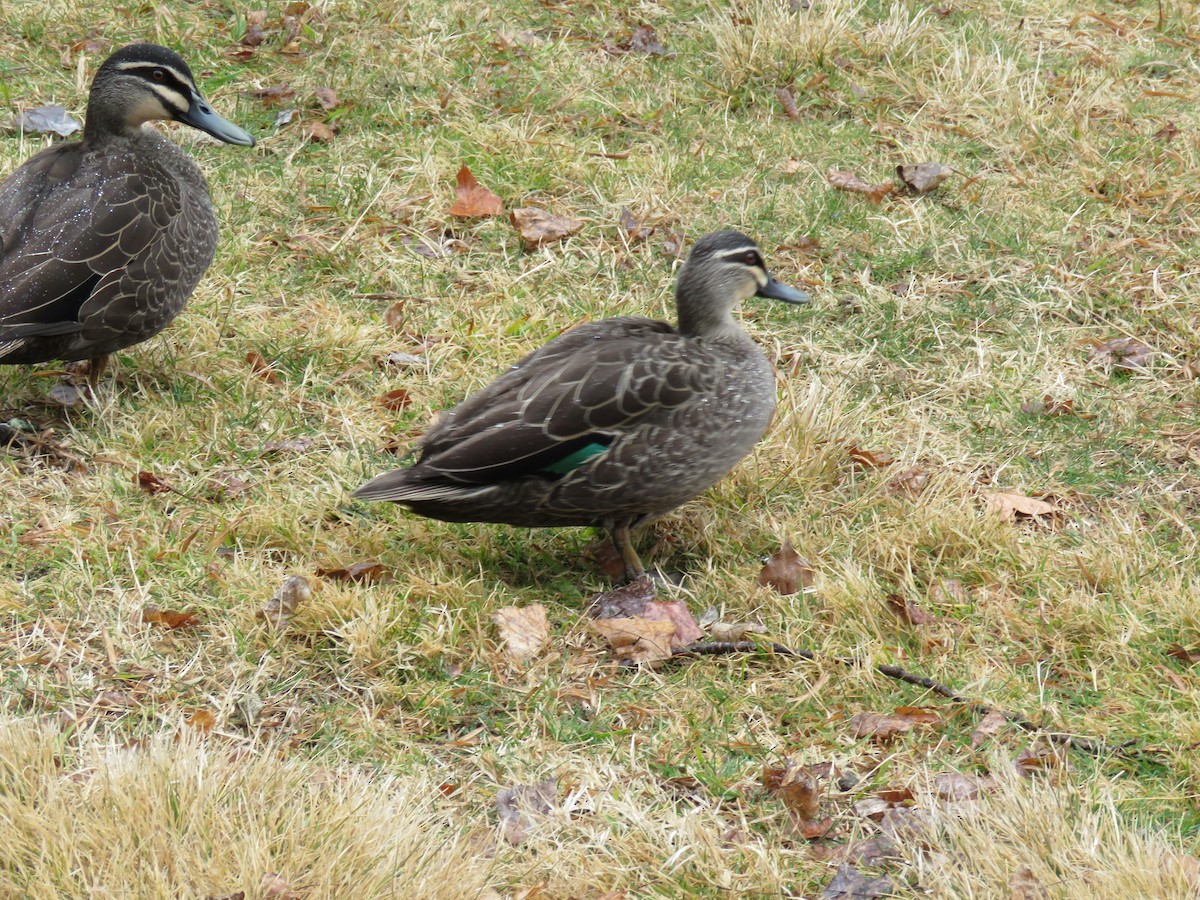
(960, 359)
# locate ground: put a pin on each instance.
(958, 349)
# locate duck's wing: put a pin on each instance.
(566, 402)
(70, 227)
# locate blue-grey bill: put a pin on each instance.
(202, 116)
(777, 290)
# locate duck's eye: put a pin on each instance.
(158, 74)
(751, 259)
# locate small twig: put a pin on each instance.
(1087, 745)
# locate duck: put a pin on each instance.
(103, 240)
(615, 422)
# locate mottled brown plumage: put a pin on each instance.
(612, 424)
(102, 241)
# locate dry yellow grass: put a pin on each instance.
(1074, 128)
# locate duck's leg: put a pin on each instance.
(620, 538)
(96, 367)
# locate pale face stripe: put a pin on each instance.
(171, 96)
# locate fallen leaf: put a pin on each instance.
(404, 360)
(284, 117)
(673, 244)
(876, 852)
(909, 612)
(799, 789)
(360, 572)
(279, 93)
(151, 483)
(394, 401)
(1124, 353)
(989, 726)
(1024, 885)
(538, 227)
(273, 887)
(788, 102)
(734, 631)
(1167, 133)
(957, 786)
(848, 181)
(1009, 506)
(1039, 758)
(255, 20)
(645, 40)
(318, 132)
(1049, 407)
(602, 554)
(225, 485)
(521, 806)
(327, 97)
(524, 630)
(921, 178)
(202, 720)
(626, 601)
(637, 639)
(473, 200)
(51, 119)
(1181, 653)
(883, 728)
(152, 615)
(908, 824)
(278, 611)
(635, 232)
(67, 395)
(850, 884)
(910, 482)
(395, 315)
(869, 458)
(295, 445)
(786, 571)
(261, 368)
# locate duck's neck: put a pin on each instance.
(701, 317)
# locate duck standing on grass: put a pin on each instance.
(613, 423)
(102, 241)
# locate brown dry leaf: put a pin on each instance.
(224, 486)
(472, 200)
(1009, 506)
(1181, 653)
(360, 572)
(787, 571)
(295, 445)
(799, 789)
(318, 132)
(851, 884)
(957, 786)
(278, 611)
(151, 483)
(1050, 407)
(276, 94)
(1167, 133)
(520, 807)
(848, 181)
(871, 808)
(602, 554)
(261, 368)
(152, 615)
(910, 482)
(523, 629)
(989, 726)
(255, 20)
(394, 401)
(1124, 353)
(677, 613)
(623, 602)
(908, 612)
(921, 178)
(645, 40)
(394, 317)
(673, 244)
(67, 395)
(870, 458)
(734, 631)
(884, 728)
(635, 232)
(202, 720)
(1039, 758)
(1024, 885)
(537, 227)
(788, 102)
(273, 887)
(327, 97)
(637, 639)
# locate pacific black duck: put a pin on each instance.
(103, 240)
(613, 423)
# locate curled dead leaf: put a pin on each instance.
(327, 97)
(278, 611)
(1009, 506)
(989, 726)
(318, 132)
(167, 618)
(151, 483)
(883, 728)
(849, 181)
(921, 178)
(261, 368)
(360, 572)
(1122, 353)
(395, 400)
(871, 459)
(538, 227)
(637, 639)
(520, 808)
(909, 612)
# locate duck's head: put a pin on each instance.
(723, 269)
(143, 82)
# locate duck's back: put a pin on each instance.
(100, 246)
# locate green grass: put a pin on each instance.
(1073, 220)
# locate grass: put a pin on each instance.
(361, 752)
